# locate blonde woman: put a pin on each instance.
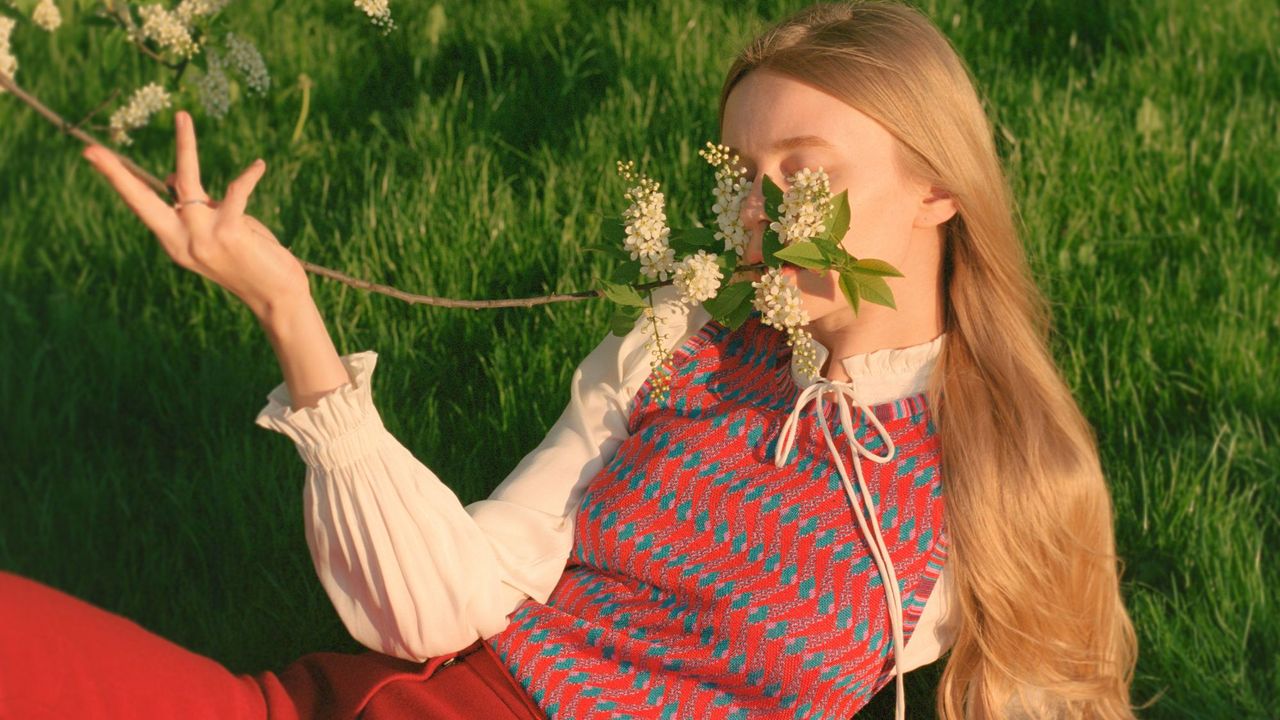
(754, 542)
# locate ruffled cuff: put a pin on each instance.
(341, 428)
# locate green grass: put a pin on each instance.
(469, 159)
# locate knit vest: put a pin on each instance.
(706, 582)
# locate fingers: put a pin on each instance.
(188, 176)
(168, 182)
(238, 191)
(155, 213)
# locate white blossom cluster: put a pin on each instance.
(167, 29)
(188, 10)
(804, 208)
(698, 277)
(8, 63)
(243, 55)
(146, 101)
(213, 87)
(47, 15)
(646, 221)
(778, 301)
(731, 189)
(379, 12)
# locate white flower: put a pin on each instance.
(243, 55)
(731, 189)
(778, 301)
(188, 10)
(145, 102)
(804, 206)
(379, 11)
(698, 277)
(167, 29)
(647, 236)
(659, 265)
(213, 86)
(652, 326)
(47, 15)
(8, 63)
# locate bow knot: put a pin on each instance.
(845, 394)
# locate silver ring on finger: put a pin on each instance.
(183, 203)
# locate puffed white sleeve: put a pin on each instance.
(411, 571)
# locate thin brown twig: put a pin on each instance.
(160, 188)
(114, 94)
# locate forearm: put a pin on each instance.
(308, 360)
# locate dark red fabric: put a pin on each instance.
(61, 657)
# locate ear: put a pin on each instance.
(936, 207)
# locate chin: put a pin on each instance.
(819, 294)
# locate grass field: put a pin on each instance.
(468, 155)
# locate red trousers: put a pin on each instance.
(61, 657)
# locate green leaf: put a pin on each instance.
(624, 295)
(772, 198)
(769, 246)
(805, 254)
(728, 299)
(739, 314)
(613, 235)
(613, 232)
(623, 320)
(875, 289)
(849, 286)
(838, 220)
(691, 240)
(613, 252)
(875, 267)
(831, 250)
(625, 273)
(727, 261)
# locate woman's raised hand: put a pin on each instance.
(216, 240)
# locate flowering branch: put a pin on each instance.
(808, 231)
(155, 184)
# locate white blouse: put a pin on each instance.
(414, 573)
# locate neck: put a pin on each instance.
(917, 319)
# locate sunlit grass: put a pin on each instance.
(469, 155)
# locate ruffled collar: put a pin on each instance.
(881, 375)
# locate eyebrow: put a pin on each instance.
(793, 143)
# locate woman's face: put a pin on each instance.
(777, 126)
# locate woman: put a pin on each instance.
(696, 556)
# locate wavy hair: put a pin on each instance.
(1032, 565)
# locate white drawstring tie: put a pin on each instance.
(844, 393)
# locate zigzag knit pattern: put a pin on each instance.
(706, 582)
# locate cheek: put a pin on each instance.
(879, 226)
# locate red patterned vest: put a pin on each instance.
(704, 581)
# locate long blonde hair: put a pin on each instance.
(1032, 564)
